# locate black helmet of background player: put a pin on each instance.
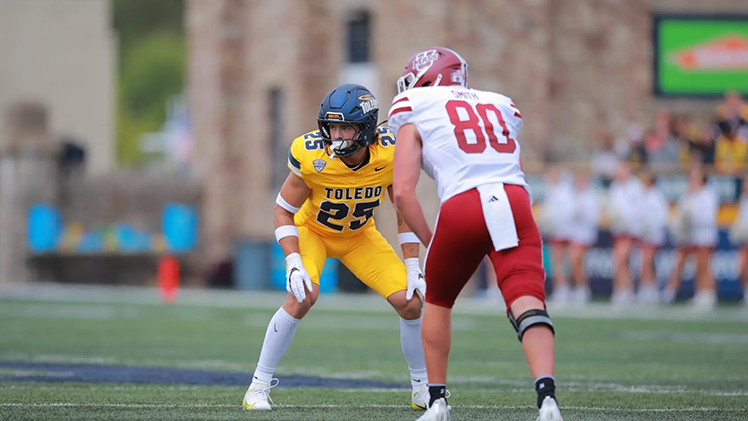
(353, 104)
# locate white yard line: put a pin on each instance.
(338, 302)
(373, 406)
(592, 387)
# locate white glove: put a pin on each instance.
(415, 279)
(296, 277)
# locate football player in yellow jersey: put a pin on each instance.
(339, 176)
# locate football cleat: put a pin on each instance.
(704, 300)
(420, 397)
(257, 397)
(439, 411)
(622, 298)
(667, 296)
(549, 410)
(648, 295)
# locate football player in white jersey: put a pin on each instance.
(700, 205)
(465, 139)
(739, 236)
(655, 210)
(585, 227)
(624, 212)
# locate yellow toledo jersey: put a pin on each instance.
(342, 200)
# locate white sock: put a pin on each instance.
(410, 340)
(278, 337)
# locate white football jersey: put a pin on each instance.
(624, 207)
(469, 136)
(703, 207)
(654, 210)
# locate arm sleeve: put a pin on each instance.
(401, 112)
(743, 210)
(661, 212)
(513, 120)
(293, 158)
(592, 207)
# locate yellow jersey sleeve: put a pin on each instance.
(299, 152)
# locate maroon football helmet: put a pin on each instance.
(437, 66)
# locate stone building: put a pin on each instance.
(258, 70)
(62, 54)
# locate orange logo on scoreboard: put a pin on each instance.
(727, 53)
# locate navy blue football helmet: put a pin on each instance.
(349, 103)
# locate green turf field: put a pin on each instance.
(633, 365)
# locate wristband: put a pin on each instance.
(408, 238)
(286, 231)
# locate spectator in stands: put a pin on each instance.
(733, 114)
(636, 153)
(730, 156)
(730, 152)
(605, 160)
(739, 236)
(694, 228)
(557, 216)
(686, 135)
(701, 151)
(662, 144)
(584, 233)
(624, 209)
(655, 209)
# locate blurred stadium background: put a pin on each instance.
(142, 144)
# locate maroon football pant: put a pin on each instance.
(461, 241)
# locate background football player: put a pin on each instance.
(696, 236)
(339, 175)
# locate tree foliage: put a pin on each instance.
(152, 61)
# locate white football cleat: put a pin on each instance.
(648, 295)
(581, 295)
(622, 298)
(549, 410)
(668, 296)
(439, 411)
(420, 397)
(704, 300)
(561, 296)
(257, 397)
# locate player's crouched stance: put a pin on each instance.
(466, 140)
(322, 211)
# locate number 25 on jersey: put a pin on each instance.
(475, 116)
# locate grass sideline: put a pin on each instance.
(666, 364)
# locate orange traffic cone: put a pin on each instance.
(168, 278)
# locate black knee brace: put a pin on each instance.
(529, 319)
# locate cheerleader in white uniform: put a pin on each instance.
(584, 233)
(695, 232)
(624, 211)
(655, 210)
(557, 216)
(739, 237)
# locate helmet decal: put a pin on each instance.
(369, 105)
(425, 59)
